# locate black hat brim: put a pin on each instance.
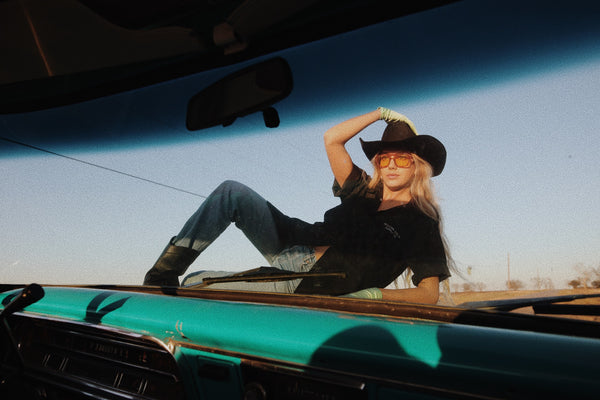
(427, 147)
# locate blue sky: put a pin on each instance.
(521, 180)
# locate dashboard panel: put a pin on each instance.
(60, 359)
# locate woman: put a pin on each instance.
(383, 225)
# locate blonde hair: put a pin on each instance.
(424, 197)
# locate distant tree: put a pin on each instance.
(542, 283)
(479, 286)
(547, 284)
(467, 287)
(537, 282)
(585, 274)
(575, 283)
(514, 285)
(596, 273)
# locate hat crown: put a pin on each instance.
(397, 131)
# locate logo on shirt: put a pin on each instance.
(391, 230)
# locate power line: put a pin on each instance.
(101, 167)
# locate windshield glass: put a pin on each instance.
(93, 192)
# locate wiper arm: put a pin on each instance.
(547, 304)
(567, 309)
(265, 274)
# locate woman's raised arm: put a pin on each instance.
(337, 136)
(335, 139)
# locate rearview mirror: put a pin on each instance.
(252, 89)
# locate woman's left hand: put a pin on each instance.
(391, 116)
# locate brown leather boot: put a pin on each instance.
(172, 263)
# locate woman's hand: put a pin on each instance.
(391, 116)
(426, 292)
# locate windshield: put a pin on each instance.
(92, 192)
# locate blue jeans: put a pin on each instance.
(234, 202)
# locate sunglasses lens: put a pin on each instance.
(402, 161)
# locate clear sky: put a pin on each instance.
(521, 182)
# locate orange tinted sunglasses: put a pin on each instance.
(401, 160)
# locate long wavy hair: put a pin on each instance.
(423, 196)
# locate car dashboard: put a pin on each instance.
(145, 344)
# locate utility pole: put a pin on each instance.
(508, 268)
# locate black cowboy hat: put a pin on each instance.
(401, 136)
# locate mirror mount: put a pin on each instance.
(271, 117)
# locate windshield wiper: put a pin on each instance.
(541, 305)
(265, 274)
